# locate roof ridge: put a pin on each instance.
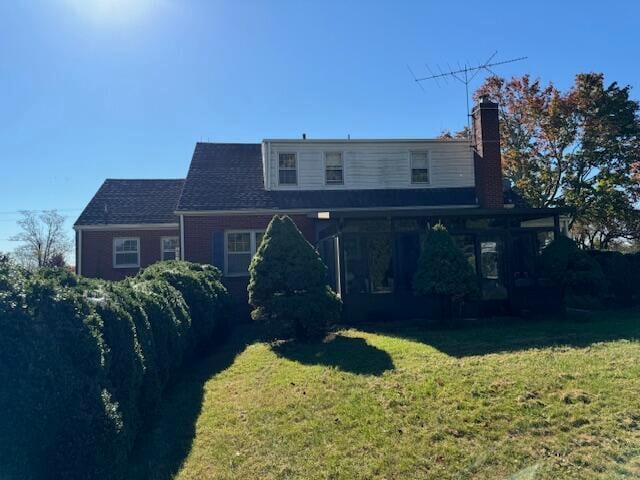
(228, 143)
(145, 179)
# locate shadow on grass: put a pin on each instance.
(493, 336)
(349, 354)
(163, 446)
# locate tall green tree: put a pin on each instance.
(579, 148)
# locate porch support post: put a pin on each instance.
(556, 226)
(342, 266)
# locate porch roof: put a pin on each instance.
(445, 212)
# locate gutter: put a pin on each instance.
(127, 226)
(304, 211)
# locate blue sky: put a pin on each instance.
(91, 89)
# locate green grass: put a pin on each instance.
(539, 399)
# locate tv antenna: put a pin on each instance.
(464, 74)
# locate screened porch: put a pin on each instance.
(372, 259)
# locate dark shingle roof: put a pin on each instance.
(228, 176)
(133, 201)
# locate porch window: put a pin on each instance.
(420, 167)
(544, 239)
(169, 248)
(467, 244)
(287, 169)
(491, 258)
(368, 262)
(126, 252)
(241, 246)
(334, 170)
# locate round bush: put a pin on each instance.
(573, 270)
(202, 290)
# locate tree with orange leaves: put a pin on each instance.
(579, 148)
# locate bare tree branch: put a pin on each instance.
(42, 239)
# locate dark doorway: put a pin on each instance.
(523, 258)
(407, 246)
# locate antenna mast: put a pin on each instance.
(464, 75)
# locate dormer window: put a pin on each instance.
(334, 171)
(287, 169)
(420, 167)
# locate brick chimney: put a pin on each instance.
(486, 155)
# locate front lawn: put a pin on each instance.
(538, 399)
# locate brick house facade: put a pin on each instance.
(98, 250)
(363, 203)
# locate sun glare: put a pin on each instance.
(117, 12)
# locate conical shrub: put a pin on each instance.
(288, 287)
(443, 268)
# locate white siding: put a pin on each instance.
(375, 164)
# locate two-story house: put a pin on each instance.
(365, 204)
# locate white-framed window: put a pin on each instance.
(419, 167)
(287, 169)
(169, 248)
(126, 252)
(240, 247)
(333, 168)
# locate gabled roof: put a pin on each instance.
(228, 176)
(124, 202)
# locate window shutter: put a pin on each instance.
(218, 249)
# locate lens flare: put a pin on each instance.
(118, 12)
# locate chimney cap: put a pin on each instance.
(484, 102)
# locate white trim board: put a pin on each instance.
(129, 226)
(366, 140)
(79, 253)
(316, 210)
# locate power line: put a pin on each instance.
(16, 212)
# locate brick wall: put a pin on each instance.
(97, 251)
(198, 243)
(488, 164)
(198, 231)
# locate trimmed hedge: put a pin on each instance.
(83, 362)
(578, 274)
(622, 274)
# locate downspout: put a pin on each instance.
(181, 237)
(267, 176)
(79, 253)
